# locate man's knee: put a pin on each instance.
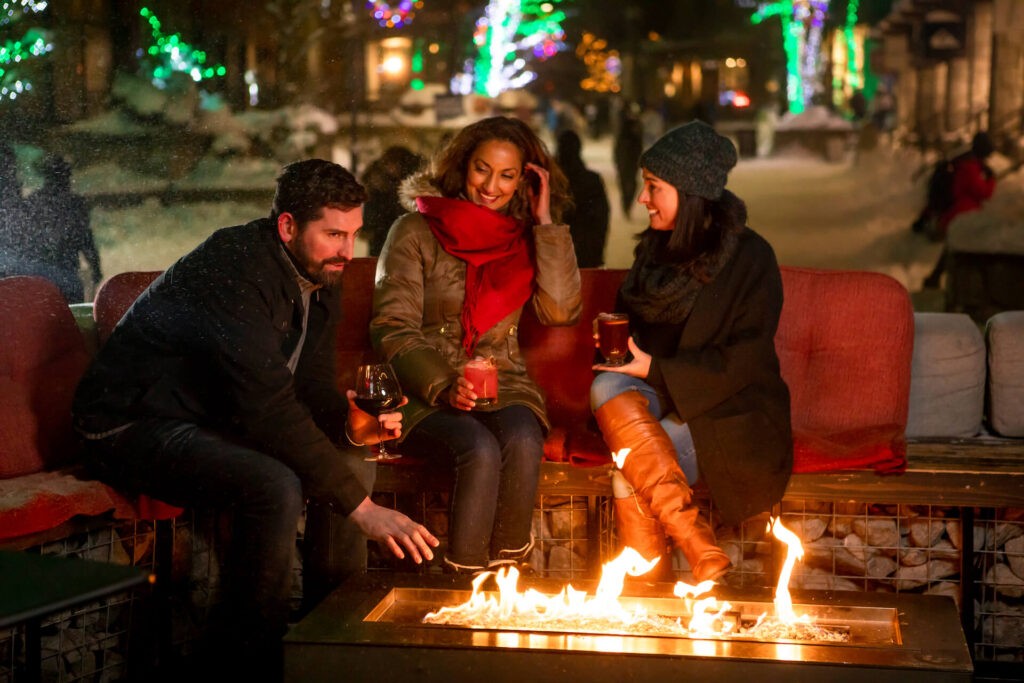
(277, 485)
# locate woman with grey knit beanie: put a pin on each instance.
(700, 395)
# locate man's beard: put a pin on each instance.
(316, 271)
(327, 278)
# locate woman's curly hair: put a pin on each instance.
(450, 165)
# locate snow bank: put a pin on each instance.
(814, 118)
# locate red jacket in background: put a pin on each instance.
(973, 183)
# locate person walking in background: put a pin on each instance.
(61, 230)
(702, 395)
(216, 391)
(15, 235)
(652, 121)
(483, 242)
(587, 216)
(973, 182)
(382, 179)
(629, 141)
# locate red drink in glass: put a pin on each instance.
(612, 336)
(482, 373)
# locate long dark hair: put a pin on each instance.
(697, 235)
(448, 169)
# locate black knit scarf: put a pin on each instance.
(662, 291)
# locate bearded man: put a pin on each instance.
(217, 390)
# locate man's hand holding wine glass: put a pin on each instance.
(363, 427)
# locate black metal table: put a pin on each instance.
(34, 586)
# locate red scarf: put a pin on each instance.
(499, 270)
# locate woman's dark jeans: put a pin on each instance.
(496, 456)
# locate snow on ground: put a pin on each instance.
(151, 236)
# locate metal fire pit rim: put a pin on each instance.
(339, 621)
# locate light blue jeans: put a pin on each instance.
(608, 385)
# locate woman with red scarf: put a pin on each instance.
(452, 279)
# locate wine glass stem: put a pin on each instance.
(381, 450)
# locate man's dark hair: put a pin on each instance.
(304, 188)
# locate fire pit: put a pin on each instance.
(372, 629)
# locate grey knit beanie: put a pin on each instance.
(693, 158)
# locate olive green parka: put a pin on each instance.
(417, 304)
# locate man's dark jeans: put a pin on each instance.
(189, 466)
(496, 456)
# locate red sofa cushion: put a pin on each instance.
(845, 341)
(42, 358)
(115, 296)
(113, 299)
(353, 341)
(18, 432)
(559, 360)
(43, 353)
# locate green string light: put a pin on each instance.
(856, 72)
(173, 54)
(792, 37)
(15, 55)
(508, 36)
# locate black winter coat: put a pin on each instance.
(721, 372)
(209, 342)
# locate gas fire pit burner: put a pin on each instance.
(372, 629)
(831, 624)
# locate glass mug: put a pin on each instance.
(482, 373)
(612, 337)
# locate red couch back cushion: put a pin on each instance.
(42, 357)
(353, 344)
(115, 296)
(559, 358)
(845, 341)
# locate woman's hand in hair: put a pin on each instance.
(638, 366)
(540, 192)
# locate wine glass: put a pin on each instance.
(377, 391)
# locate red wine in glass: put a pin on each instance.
(375, 406)
(378, 391)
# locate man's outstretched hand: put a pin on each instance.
(396, 531)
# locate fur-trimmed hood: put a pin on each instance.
(419, 184)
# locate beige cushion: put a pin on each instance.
(947, 376)
(1005, 335)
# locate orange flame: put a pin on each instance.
(783, 601)
(572, 609)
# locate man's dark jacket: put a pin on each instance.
(209, 342)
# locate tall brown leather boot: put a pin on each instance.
(652, 469)
(638, 529)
